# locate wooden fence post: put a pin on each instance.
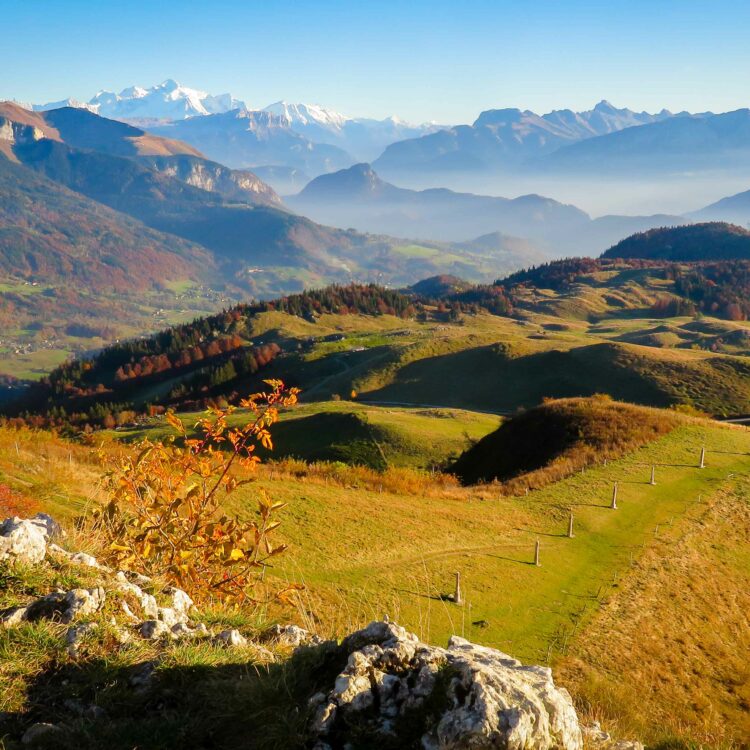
(653, 476)
(614, 497)
(703, 458)
(536, 554)
(457, 598)
(570, 527)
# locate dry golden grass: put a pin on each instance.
(664, 657)
(402, 480)
(62, 477)
(667, 658)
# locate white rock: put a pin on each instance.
(128, 612)
(598, 739)
(153, 630)
(76, 634)
(123, 635)
(290, 635)
(169, 617)
(14, 616)
(231, 638)
(182, 630)
(78, 558)
(493, 701)
(22, 540)
(83, 602)
(59, 605)
(595, 734)
(82, 558)
(51, 527)
(181, 602)
(147, 602)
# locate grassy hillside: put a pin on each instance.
(607, 335)
(367, 543)
(668, 647)
(488, 363)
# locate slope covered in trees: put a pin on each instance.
(695, 242)
(50, 233)
(189, 365)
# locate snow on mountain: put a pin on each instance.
(308, 115)
(56, 105)
(166, 101)
(364, 138)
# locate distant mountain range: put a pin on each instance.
(364, 138)
(677, 144)
(293, 142)
(243, 138)
(735, 209)
(359, 198)
(168, 100)
(228, 224)
(507, 138)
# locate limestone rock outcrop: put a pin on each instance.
(24, 540)
(480, 697)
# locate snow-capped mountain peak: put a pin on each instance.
(307, 114)
(168, 100)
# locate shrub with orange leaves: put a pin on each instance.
(165, 514)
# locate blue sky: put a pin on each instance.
(443, 61)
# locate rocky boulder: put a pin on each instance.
(465, 696)
(24, 540)
(60, 606)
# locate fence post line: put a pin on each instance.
(457, 598)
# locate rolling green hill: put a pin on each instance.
(358, 434)
(594, 334)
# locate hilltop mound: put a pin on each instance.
(557, 438)
(695, 242)
(439, 286)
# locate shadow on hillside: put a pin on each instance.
(99, 704)
(422, 595)
(589, 505)
(511, 559)
(541, 533)
(679, 466)
(503, 382)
